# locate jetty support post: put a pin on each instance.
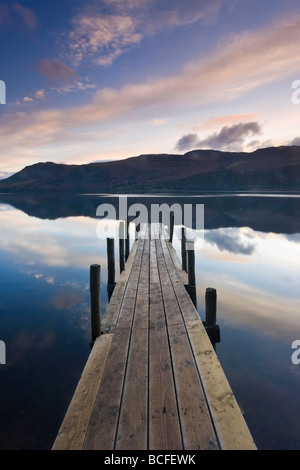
(127, 239)
(110, 266)
(191, 273)
(122, 245)
(183, 250)
(95, 302)
(172, 218)
(137, 226)
(210, 323)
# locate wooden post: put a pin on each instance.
(127, 240)
(171, 226)
(121, 245)
(212, 329)
(110, 266)
(183, 249)
(138, 226)
(95, 301)
(191, 274)
(210, 306)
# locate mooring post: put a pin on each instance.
(210, 306)
(121, 245)
(171, 226)
(95, 301)
(212, 329)
(191, 273)
(127, 240)
(137, 226)
(110, 266)
(183, 249)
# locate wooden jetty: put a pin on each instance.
(153, 380)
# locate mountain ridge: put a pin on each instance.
(272, 168)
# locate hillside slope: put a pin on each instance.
(275, 168)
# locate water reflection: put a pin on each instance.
(250, 255)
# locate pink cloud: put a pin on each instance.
(14, 14)
(27, 15)
(57, 70)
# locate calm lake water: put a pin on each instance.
(251, 255)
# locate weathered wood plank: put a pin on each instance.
(160, 382)
(231, 428)
(197, 429)
(187, 307)
(74, 426)
(128, 305)
(141, 318)
(182, 273)
(109, 320)
(133, 423)
(172, 310)
(164, 426)
(101, 432)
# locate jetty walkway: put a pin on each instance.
(153, 380)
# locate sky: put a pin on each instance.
(100, 80)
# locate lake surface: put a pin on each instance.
(251, 255)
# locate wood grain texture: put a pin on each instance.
(154, 382)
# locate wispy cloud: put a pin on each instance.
(104, 31)
(57, 70)
(15, 14)
(246, 61)
(27, 15)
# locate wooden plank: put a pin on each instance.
(133, 424)
(101, 432)
(72, 431)
(127, 308)
(232, 431)
(182, 273)
(197, 429)
(109, 320)
(141, 320)
(187, 307)
(164, 426)
(172, 310)
(231, 428)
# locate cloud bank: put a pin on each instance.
(229, 138)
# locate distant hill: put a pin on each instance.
(274, 169)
